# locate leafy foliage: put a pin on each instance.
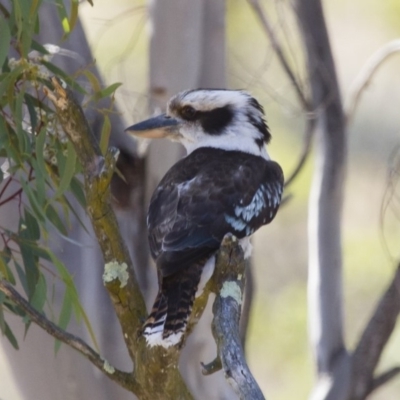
(39, 173)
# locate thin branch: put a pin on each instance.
(125, 379)
(307, 142)
(279, 51)
(374, 338)
(366, 74)
(230, 279)
(384, 378)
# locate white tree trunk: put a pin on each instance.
(325, 206)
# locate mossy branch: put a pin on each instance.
(97, 171)
(156, 369)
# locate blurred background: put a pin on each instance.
(277, 348)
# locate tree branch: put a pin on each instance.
(229, 278)
(308, 136)
(156, 368)
(279, 51)
(384, 378)
(118, 277)
(124, 379)
(366, 74)
(373, 340)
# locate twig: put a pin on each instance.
(366, 74)
(374, 338)
(279, 51)
(309, 133)
(229, 276)
(125, 379)
(384, 378)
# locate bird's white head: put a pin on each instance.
(224, 119)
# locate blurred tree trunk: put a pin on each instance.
(325, 260)
(187, 50)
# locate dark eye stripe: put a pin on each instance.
(215, 121)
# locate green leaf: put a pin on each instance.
(107, 91)
(65, 316)
(5, 271)
(22, 277)
(39, 149)
(74, 14)
(32, 226)
(31, 110)
(33, 200)
(55, 219)
(38, 47)
(17, 109)
(40, 183)
(92, 78)
(10, 336)
(40, 295)
(61, 74)
(77, 190)
(105, 134)
(7, 84)
(30, 262)
(5, 38)
(68, 171)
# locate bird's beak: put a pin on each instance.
(158, 127)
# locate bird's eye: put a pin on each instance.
(188, 112)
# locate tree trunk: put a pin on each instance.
(325, 206)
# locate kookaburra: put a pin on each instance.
(226, 184)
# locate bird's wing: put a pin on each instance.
(203, 198)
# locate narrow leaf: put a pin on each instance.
(32, 225)
(31, 110)
(40, 295)
(74, 14)
(10, 336)
(30, 262)
(68, 172)
(22, 277)
(107, 91)
(77, 190)
(55, 219)
(61, 74)
(105, 134)
(65, 316)
(5, 38)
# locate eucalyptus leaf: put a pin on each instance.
(65, 316)
(40, 295)
(10, 336)
(5, 39)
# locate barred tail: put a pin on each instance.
(171, 310)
